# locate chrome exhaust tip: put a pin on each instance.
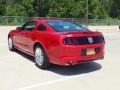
(69, 63)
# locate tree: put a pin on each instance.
(61, 8)
(66, 8)
(41, 7)
(2, 7)
(115, 9)
(20, 8)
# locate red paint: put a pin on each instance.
(52, 42)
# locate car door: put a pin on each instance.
(23, 37)
(29, 35)
(19, 38)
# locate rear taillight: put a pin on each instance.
(83, 40)
(70, 41)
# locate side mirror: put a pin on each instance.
(19, 28)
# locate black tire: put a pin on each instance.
(10, 44)
(41, 59)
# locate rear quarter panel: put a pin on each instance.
(50, 43)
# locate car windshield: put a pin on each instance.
(63, 26)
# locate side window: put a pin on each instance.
(41, 27)
(29, 26)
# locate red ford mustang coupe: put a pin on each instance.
(58, 42)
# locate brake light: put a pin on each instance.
(70, 41)
(83, 40)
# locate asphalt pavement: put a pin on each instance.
(18, 71)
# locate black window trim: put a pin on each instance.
(27, 24)
(41, 29)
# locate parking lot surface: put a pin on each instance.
(18, 71)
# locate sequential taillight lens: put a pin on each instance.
(70, 41)
(83, 40)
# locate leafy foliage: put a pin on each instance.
(2, 7)
(61, 8)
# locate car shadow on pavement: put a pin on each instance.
(76, 69)
(68, 70)
(26, 56)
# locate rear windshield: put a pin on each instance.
(63, 26)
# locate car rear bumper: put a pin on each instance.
(66, 61)
(71, 55)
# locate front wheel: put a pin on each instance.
(10, 44)
(41, 58)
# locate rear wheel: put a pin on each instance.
(40, 57)
(10, 44)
